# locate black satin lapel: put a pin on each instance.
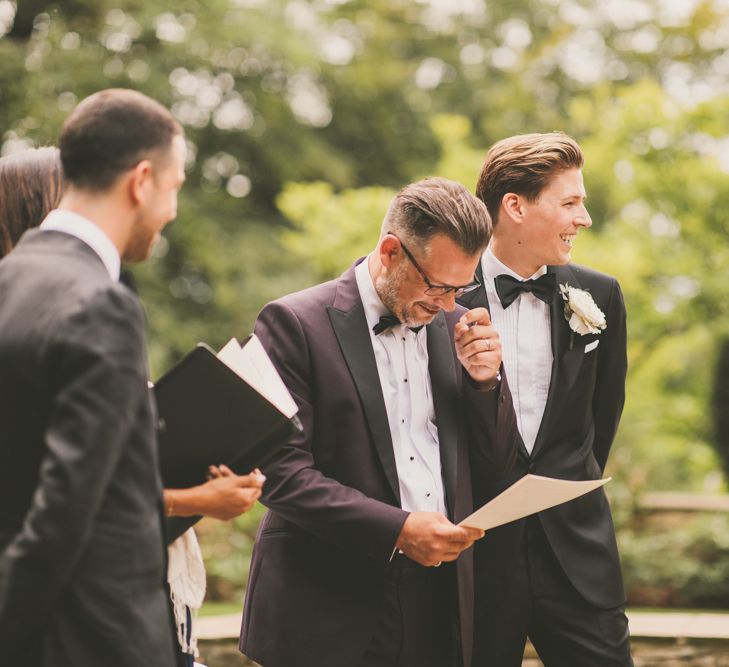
(443, 380)
(477, 298)
(350, 328)
(566, 362)
(572, 350)
(561, 332)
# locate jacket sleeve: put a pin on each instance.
(94, 363)
(494, 434)
(295, 489)
(609, 396)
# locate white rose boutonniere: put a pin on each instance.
(581, 312)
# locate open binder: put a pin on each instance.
(231, 407)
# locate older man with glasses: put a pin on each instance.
(397, 387)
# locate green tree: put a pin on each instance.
(304, 117)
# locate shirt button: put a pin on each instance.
(406, 379)
(427, 495)
(412, 458)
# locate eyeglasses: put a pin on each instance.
(433, 289)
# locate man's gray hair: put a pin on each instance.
(439, 206)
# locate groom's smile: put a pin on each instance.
(552, 221)
(569, 239)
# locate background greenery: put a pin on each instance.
(304, 117)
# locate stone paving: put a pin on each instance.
(671, 639)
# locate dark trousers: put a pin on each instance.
(418, 626)
(542, 604)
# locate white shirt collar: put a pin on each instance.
(492, 267)
(373, 306)
(61, 220)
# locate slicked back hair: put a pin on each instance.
(31, 186)
(109, 133)
(525, 164)
(439, 206)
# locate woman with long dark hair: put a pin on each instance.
(31, 184)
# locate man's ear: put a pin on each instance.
(389, 250)
(139, 181)
(512, 207)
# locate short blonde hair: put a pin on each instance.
(525, 164)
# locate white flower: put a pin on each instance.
(581, 311)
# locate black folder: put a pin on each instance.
(208, 415)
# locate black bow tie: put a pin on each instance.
(385, 323)
(509, 288)
(388, 321)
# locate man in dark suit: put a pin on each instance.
(353, 563)
(555, 576)
(82, 557)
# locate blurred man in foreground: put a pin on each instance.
(82, 564)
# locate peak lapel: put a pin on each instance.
(444, 382)
(477, 298)
(566, 362)
(350, 327)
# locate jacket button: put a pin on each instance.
(531, 468)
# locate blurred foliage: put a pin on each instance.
(684, 566)
(303, 117)
(332, 226)
(226, 549)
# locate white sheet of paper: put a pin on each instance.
(254, 365)
(530, 494)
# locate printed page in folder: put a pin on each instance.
(251, 362)
(529, 495)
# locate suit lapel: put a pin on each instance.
(566, 362)
(442, 369)
(350, 327)
(479, 299)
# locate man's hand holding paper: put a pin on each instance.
(430, 539)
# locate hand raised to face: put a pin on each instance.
(478, 347)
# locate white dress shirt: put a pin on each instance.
(402, 364)
(60, 220)
(526, 343)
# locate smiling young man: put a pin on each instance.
(554, 577)
(354, 561)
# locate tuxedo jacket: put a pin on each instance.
(321, 561)
(82, 558)
(584, 404)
